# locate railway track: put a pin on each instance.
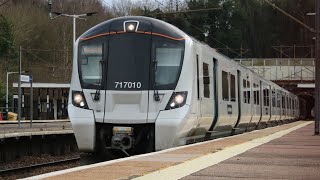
(30, 168)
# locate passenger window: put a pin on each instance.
(273, 98)
(225, 86)
(167, 53)
(249, 92)
(91, 54)
(233, 87)
(289, 103)
(266, 96)
(256, 94)
(206, 80)
(278, 98)
(198, 84)
(292, 104)
(244, 84)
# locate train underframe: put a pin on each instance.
(114, 140)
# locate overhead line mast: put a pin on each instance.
(317, 64)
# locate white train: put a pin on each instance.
(140, 84)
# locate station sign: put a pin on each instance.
(25, 78)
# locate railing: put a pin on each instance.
(282, 69)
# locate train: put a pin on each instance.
(140, 84)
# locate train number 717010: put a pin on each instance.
(127, 85)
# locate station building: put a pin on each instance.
(49, 100)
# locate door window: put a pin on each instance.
(233, 87)
(249, 92)
(225, 86)
(245, 90)
(206, 80)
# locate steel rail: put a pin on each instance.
(35, 166)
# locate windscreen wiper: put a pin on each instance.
(97, 93)
(155, 90)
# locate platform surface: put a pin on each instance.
(39, 127)
(288, 151)
(293, 156)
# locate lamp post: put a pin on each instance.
(73, 16)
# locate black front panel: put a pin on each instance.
(145, 56)
(129, 62)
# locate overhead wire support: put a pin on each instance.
(188, 11)
(290, 16)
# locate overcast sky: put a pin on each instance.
(109, 2)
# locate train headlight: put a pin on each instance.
(131, 26)
(178, 99)
(78, 99)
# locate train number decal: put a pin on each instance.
(128, 85)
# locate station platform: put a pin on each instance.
(289, 151)
(9, 129)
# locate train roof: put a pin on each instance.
(146, 24)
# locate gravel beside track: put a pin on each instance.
(36, 160)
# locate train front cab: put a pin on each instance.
(128, 81)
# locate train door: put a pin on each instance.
(273, 105)
(260, 96)
(239, 98)
(265, 102)
(233, 104)
(245, 100)
(283, 106)
(278, 112)
(228, 110)
(206, 93)
(128, 74)
(256, 102)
